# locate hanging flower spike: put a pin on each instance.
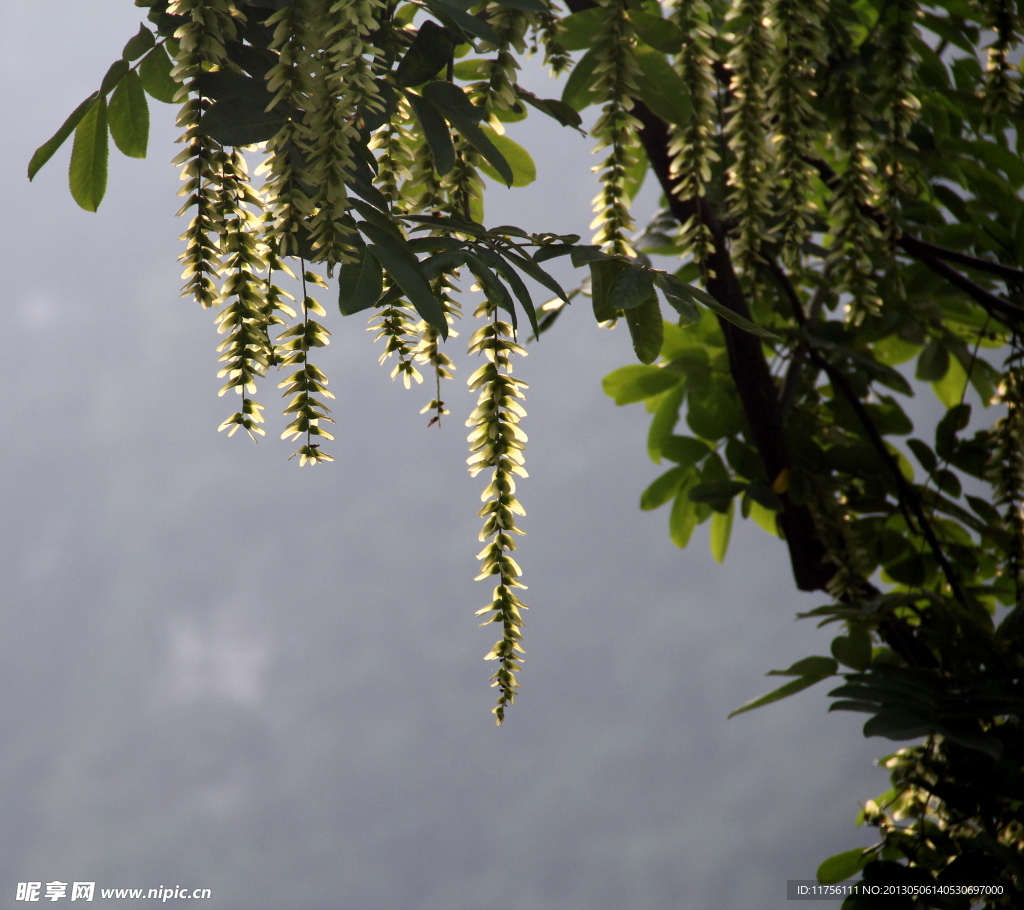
(797, 40)
(749, 177)
(247, 351)
(1002, 86)
(428, 351)
(855, 233)
(307, 382)
(692, 145)
(200, 42)
(344, 84)
(616, 128)
(289, 80)
(497, 443)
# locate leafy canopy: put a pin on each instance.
(841, 228)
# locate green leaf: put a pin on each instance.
(577, 93)
(661, 88)
(435, 131)
(527, 6)
(404, 268)
(663, 489)
(580, 29)
(427, 55)
(845, 865)
(637, 382)
(87, 176)
(138, 44)
(924, 454)
(129, 116)
(661, 34)
(853, 650)
(723, 311)
(632, 287)
(898, 724)
(933, 363)
(717, 493)
(465, 116)
(530, 267)
(45, 152)
(117, 71)
(646, 329)
(680, 300)
(516, 283)
(790, 688)
(684, 450)
(524, 171)
(816, 666)
(602, 276)
(950, 389)
(553, 107)
(492, 287)
(721, 530)
(683, 518)
(462, 22)
(239, 116)
(716, 414)
(360, 284)
(665, 418)
(155, 73)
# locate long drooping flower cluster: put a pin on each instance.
(692, 147)
(616, 127)
(497, 444)
(747, 129)
(797, 42)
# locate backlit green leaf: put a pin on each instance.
(524, 171)
(683, 518)
(155, 73)
(427, 55)
(663, 488)
(577, 93)
(721, 530)
(45, 152)
(360, 284)
(128, 114)
(842, 866)
(402, 265)
(661, 87)
(790, 688)
(646, 329)
(138, 44)
(87, 176)
(435, 131)
(461, 113)
(637, 382)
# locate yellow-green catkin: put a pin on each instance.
(749, 177)
(200, 42)
(290, 82)
(616, 128)
(796, 44)
(692, 145)
(497, 444)
(1002, 79)
(247, 351)
(343, 85)
(307, 385)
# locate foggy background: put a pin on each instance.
(220, 670)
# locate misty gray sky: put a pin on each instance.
(220, 670)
